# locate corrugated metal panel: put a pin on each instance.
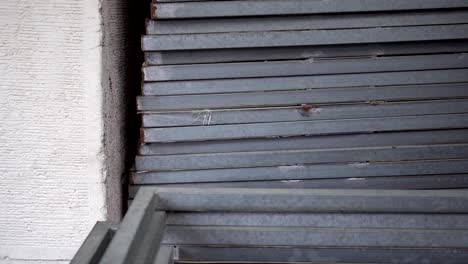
(305, 94)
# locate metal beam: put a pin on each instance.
(320, 220)
(165, 255)
(297, 157)
(305, 172)
(298, 128)
(302, 38)
(313, 200)
(303, 113)
(432, 182)
(323, 255)
(313, 142)
(303, 68)
(295, 53)
(305, 82)
(310, 22)
(95, 244)
(202, 105)
(199, 9)
(319, 237)
(139, 233)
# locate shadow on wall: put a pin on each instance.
(124, 23)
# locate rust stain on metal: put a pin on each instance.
(154, 14)
(306, 109)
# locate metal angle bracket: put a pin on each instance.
(140, 236)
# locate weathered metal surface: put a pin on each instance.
(315, 142)
(201, 9)
(295, 157)
(134, 242)
(417, 182)
(313, 200)
(302, 38)
(324, 237)
(315, 225)
(323, 255)
(199, 117)
(205, 103)
(308, 52)
(310, 22)
(302, 68)
(322, 220)
(298, 128)
(165, 255)
(306, 172)
(305, 82)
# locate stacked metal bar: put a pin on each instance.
(305, 94)
(285, 226)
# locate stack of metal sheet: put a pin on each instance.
(305, 94)
(285, 226)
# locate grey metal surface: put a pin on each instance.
(294, 53)
(315, 142)
(418, 182)
(301, 113)
(298, 157)
(165, 255)
(95, 244)
(205, 103)
(306, 82)
(306, 172)
(271, 7)
(298, 128)
(310, 22)
(134, 242)
(315, 225)
(324, 237)
(302, 68)
(325, 220)
(313, 200)
(302, 38)
(324, 255)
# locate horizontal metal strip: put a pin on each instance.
(304, 82)
(302, 38)
(433, 182)
(319, 127)
(303, 113)
(294, 53)
(305, 172)
(323, 237)
(313, 142)
(301, 67)
(323, 255)
(312, 200)
(294, 157)
(324, 220)
(272, 7)
(206, 102)
(311, 22)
